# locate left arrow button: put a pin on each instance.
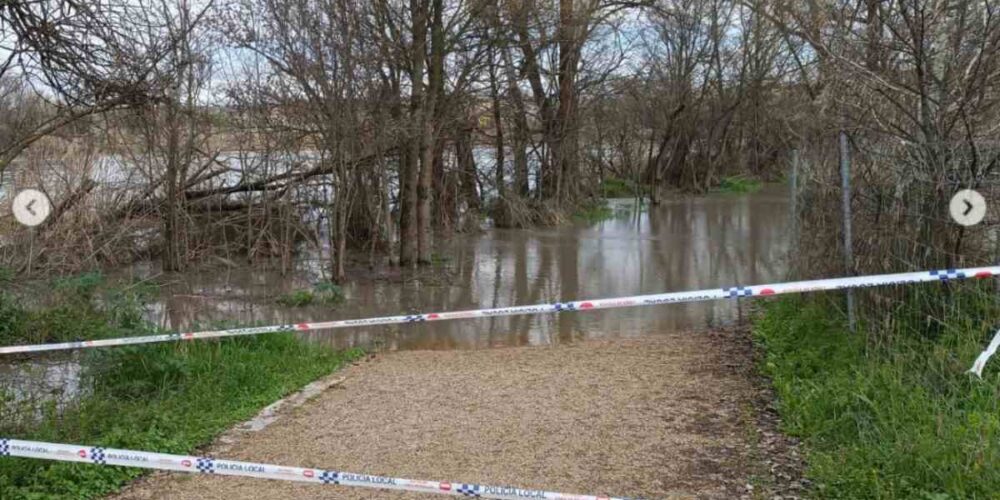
(31, 207)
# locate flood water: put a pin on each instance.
(718, 240)
(688, 243)
(685, 243)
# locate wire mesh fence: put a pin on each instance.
(900, 221)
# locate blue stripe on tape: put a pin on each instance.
(206, 465)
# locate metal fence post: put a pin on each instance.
(845, 188)
(794, 206)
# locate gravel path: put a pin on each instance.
(663, 417)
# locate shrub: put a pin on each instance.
(738, 185)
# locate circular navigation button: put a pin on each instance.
(31, 207)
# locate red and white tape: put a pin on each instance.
(205, 465)
(734, 292)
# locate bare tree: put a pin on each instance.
(80, 57)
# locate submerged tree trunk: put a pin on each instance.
(340, 215)
(443, 202)
(425, 193)
(410, 171)
(429, 123)
(467, 167)
(172, 258)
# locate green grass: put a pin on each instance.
(169, 398)
(80, 286)
(6, 275)
(594, 212)
(614, 187)
(82, 307)
(896, 418)
(323, 293)
(297, 298)
(738, 185)
(439, 260)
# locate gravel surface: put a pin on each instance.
(670, 416)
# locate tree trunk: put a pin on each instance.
(545, 180)
(443, 203)
(410, 171)
(425, 193)
(498, 127)
(171, 220)
(340, 240)
(521, 132)
(565, 125)
(467, 167)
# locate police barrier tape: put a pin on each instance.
(205, 465)
(980, 363)
(580, 305)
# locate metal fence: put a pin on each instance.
(865, 207)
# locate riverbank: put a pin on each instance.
(671, 416)
(890, 417)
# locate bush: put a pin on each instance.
(738, 185)
(613, 187)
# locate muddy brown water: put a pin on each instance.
(688, 243)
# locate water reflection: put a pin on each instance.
(28, 389)
(685, 244)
